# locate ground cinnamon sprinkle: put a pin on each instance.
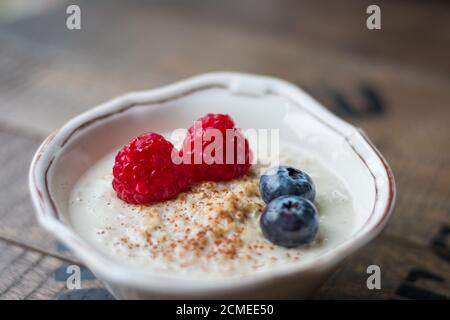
(220, 221)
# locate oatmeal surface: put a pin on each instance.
(211, 230)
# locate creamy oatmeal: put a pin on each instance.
(210, 231)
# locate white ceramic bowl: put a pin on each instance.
(254, 102)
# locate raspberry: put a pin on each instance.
(145, 173)
(216, 167)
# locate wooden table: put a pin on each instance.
(394, 83)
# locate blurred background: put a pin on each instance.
(393, 82)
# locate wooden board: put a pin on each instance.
(382, 81)
(30, 274)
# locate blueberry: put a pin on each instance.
(284, 180)
(289, 221)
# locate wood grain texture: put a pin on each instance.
(32, 275)
(18, 223)
(397, 259)
(392, 83)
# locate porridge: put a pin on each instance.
(212, 229)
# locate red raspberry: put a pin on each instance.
(216, 168)
(144, 171)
